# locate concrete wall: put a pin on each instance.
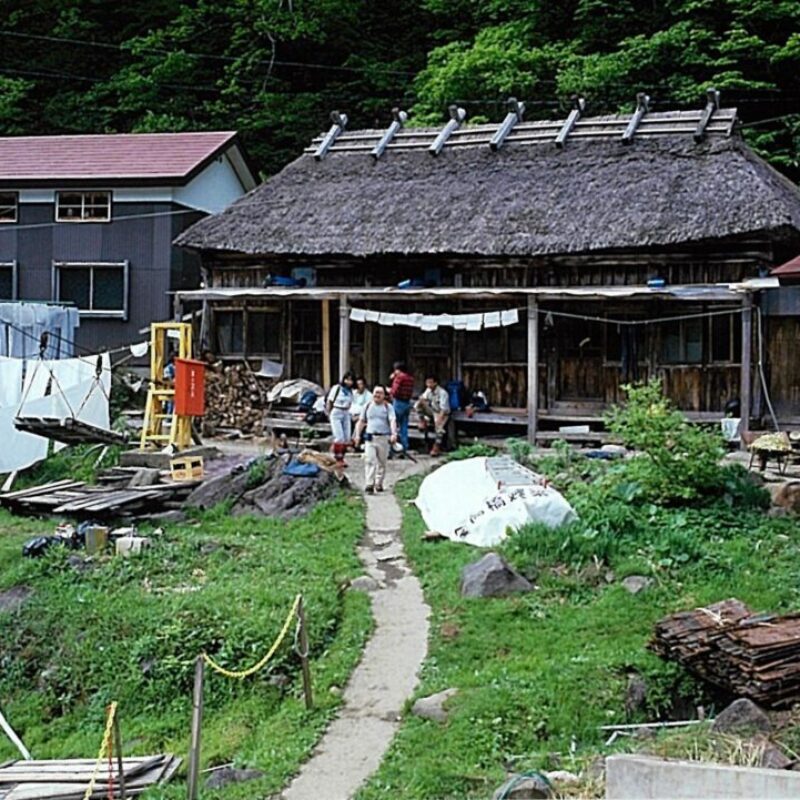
(644, 778)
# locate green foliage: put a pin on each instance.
(130, 629)
(77, 462)
(476, 450)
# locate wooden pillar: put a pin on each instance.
(344, 335)
(745, 389)
(533, 368)
(326, 344)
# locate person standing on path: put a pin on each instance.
(337, 406)
(401, 390)
(433, 407)
(378, 423)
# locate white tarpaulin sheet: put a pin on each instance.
(461, 500)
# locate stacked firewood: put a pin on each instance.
(748, 654)
(235, 398)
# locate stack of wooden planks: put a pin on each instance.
(69, 779)
(83, 500)
(748, 654)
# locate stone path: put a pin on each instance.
(354, 744)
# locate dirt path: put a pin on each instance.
(354, 744)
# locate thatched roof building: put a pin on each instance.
(527, 199)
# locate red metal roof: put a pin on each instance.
(790, 271)
(113, 157)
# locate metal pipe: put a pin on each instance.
(399, 120)
(457, 116)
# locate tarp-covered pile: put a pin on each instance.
(479, 500)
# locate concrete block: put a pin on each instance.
(631, 777)
(131, 545)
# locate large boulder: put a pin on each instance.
(492, 577)
(433, 706)
(742, 718)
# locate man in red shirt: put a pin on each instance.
(401, 390)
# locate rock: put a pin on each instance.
(635, 694)
(78, 563)
(772, 757)
(207, 548)
(742, 716)
(363, 583)
(596, 770)
(227, 775)
(563, 777)
(173, 517)
(14, 598)
(519, 787)
(492, 577)
(145, 476)
(786, 495)
(636, 583)
(335, 691)
(432, 707)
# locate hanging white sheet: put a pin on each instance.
(19, 450)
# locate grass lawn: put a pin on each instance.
(539, 673)
(129, 630)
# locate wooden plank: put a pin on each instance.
(326, 344)
(746, 364)
(344, 336)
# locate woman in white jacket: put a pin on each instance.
(337, 406)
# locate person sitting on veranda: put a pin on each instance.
(433, 408)
(378, 425)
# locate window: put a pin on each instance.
(682, 342)
(726, 338)
(8, 206)
(8, 280)
(83, 206)
(99, 290)
(248, 331)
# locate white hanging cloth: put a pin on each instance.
(19, 450)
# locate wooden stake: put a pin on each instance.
(118, 740)
(197, 722)
(303, 637)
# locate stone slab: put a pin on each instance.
(157, 460)
(631, 777)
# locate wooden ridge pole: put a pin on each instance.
(303, 642)
(197, 722)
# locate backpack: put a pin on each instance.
(307, 400)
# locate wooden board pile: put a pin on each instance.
(747, 654)
(235, 398)
(69, 779)
(83, 500)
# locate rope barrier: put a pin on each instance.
(105, 747)
(245, 673)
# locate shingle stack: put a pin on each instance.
(748, 654)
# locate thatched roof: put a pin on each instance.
(523, 200)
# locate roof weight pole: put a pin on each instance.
(569, 122)
(712, 104)
(515, 113)
(642, 107)
(339, 124)
(457, 116)
(399, 118)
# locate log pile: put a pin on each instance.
(747, 654)
(235, 398)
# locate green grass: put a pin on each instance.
(539, 673)
(130, 629)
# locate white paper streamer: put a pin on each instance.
(491, 320)
(510, 317)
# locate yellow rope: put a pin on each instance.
(256, 667)
(112, 712)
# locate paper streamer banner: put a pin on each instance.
(510, 317)
(432, 322)
(358, 315)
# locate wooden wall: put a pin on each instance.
(783, 359)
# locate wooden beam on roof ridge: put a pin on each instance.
(457, 116)
(642, 107)
(398, 120)
(339, 124)
(516, 110)
(712, 104)
(570, 121)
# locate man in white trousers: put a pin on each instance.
(378, 424)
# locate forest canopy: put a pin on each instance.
(274, 69)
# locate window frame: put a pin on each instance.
(84, 193)
(14, 266)
(97, 313)
(245, 312)
(15, 195)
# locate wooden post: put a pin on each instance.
(197, 722)
(747, 363)
(15, 740)
(303, 642)
(118, 748)
(344, 336)
(326, 344)
(533, 368)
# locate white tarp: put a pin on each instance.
(461, 500)
(19, 449)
